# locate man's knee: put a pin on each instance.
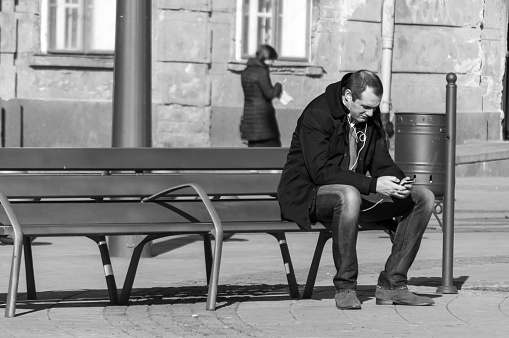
(348, 198)
(337, 200)
(423, 196)
(347, 194)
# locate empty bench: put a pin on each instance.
(154, 192)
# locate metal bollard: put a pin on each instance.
(450, 183)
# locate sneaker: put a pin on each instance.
(347, 300)
(400, 296)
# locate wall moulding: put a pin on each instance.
(71, 61)
(283, 69)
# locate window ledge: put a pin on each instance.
(71, 61)
(290, 68)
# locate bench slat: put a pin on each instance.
(106, 229)
(153, 228)
(142, 158)
(54, 186)
(68, 213)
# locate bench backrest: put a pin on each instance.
(241, 181)
(124, 172)
(67, 159)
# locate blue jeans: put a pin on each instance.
(341, 208)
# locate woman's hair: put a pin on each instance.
(266, 52)
(358, 81)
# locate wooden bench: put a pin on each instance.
(97, 192)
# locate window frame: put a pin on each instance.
(243, 31)
(84, 31)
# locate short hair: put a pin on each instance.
(266, 52)
(360, 80)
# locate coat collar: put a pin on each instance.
(255, 62)
(333, 93)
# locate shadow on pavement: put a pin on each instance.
(228, 295)
(436, 281)
(162, 247)
(58, 299)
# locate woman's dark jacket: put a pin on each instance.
(259, 119)
(319, 156)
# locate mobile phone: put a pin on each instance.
(410, 181)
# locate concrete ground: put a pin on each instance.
(170, 294)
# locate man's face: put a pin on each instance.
(363, 107)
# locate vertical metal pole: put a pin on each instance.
(132, 89)
(388, 14)
(132, 95)
(506, 95)
(450, 183)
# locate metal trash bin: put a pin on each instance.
(419, 149)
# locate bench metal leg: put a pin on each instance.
(216, 264)
(108, 269)
(213, 280)
(12, 292)
(437, 210)
(209, 257)
(29, 268)
(313, 270)
(131, 272)
(217, 233)
(290, 274)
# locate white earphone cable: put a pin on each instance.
(361, 137)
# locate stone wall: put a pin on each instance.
(197, 96)
(52, 101)
(467, 37)
(432, 38)
(181, 77)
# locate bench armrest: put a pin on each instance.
(12, 292)
(18, 232)
(218, 226)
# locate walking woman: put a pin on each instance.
(259, 127)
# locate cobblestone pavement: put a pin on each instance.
(169, 296)
(271, 314)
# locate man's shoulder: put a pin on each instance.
(317, 111)
(318, 105)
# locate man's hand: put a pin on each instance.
(389, 186)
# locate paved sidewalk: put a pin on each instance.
(482, 204)
(169, 296)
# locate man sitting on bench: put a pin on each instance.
(339, 138)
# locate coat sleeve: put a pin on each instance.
(269, 92)
(314, 136)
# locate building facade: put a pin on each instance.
(56, 64)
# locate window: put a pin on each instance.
(283, 24)
(78, 26)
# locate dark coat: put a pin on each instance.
(319, 156)
(259, 119)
